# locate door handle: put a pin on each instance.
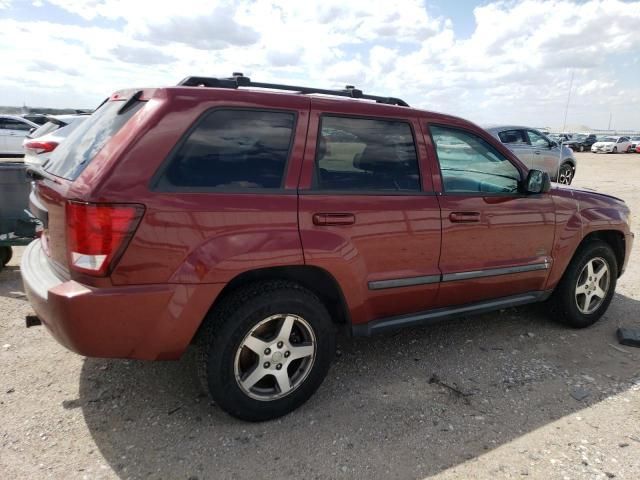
(464, 217)
(537, 152)
(326, 219)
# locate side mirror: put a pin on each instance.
(537, 182)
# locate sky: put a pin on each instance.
(488, 61)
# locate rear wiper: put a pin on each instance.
(35, 172)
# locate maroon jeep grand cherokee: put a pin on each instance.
(251, 219)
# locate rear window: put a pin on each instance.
(231, 150)
(46, 128)
(83, 144)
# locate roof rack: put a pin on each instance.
(239, 80)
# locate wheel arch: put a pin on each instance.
(614, 238)
(314, 279)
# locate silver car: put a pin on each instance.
(538, 151)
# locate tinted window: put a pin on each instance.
(233, 149)
(11, 124)
(537, 140)
(513, 136)
(76, 152)
(368, 155)
(470, 165)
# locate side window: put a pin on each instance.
(538, 140)
(367, 155)
(12, 124)
(516, 137)
(233, 149)
(469, 164)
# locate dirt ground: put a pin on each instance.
(533, 399)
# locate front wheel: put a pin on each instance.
(265, 350)
(587, 287)
(615, 149)
(581, 148)
(565, 174)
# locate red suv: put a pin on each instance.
(253, 220)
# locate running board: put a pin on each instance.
(447, 313)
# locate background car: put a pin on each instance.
(39, 144)
(13, 130)
(581, 142)
(612, 145)
(39, 118)
(538, 151)
(635, 141)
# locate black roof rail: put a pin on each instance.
(239, 80)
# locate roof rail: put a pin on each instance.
(239, 80)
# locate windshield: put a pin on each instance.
(609, 139)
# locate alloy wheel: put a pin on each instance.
(592, 285)
(275, 357)
(565, 175)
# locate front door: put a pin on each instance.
(367, 212)
(496, 241)
(545, 156)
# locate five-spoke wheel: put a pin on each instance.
(592, 285)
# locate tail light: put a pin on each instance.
(97, 234)
(40, 147)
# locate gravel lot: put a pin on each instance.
(516, 409)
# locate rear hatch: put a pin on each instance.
(57, 196)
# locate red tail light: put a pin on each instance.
(40, 147)
(97, 234)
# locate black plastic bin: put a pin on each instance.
(17, 227)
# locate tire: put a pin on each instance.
(581, 148)
(565, 173)
(255, 315)
(6, 254)
(615, 150)
(582, 309)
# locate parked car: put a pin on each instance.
(635, 141)
(220, 216)
(39, 144)
(538, 151)
(13, 129)
(581, 142)
(612, 145)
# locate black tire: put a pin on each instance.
(565, 173)
(615, 150)
(564, 301)
(581, 148)
(229, 325)
(6, 254)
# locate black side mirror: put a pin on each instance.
(537, 182)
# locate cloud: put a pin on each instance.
(141, 55)
(514, 66)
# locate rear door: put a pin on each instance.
(516, 140)
(368, 214)
(496, 241)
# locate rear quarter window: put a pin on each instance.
(83, 144)
(231, 150)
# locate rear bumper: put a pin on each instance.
(151, 322)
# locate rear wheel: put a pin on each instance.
(587, 287)
(581, 148)
(265, 350)
(565, 174)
